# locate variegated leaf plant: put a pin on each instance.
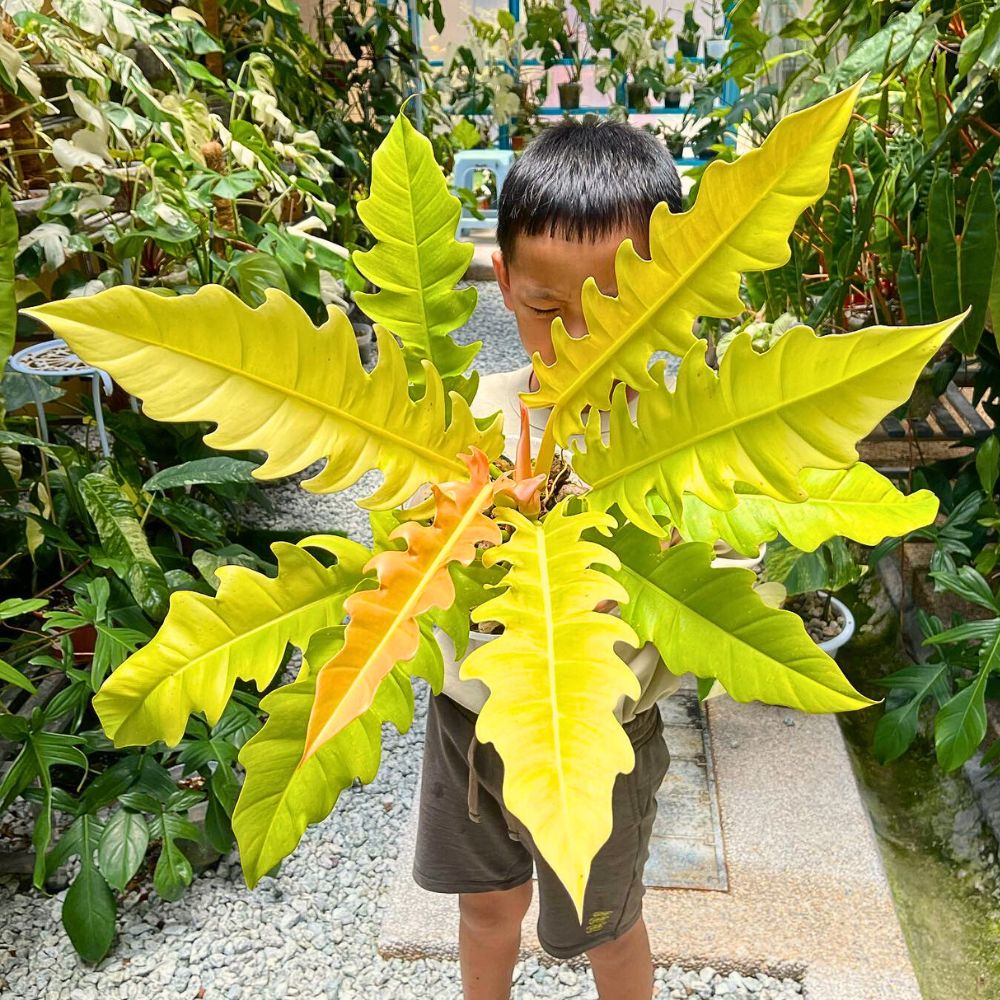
(764, 445)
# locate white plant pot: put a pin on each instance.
(725, 556)
(830, 646)
(477, 639)
(716, 48)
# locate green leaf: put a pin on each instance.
(125, 542)
(11, 675)
(279, 798)
(218, 469)
(915, 291)
(977, 247)
(8, 297)
(173, 872)
(988, 463)
(711, 622)
(960, 725)
(416, 260)
(254, 273)
(122, 847)
(942, 248)
(897, 729)
(88, 914)
(969, 585)
(15, 606)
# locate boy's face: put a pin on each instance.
(545, 277)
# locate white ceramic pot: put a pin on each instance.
(830, 646)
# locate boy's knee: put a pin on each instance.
(499, 912)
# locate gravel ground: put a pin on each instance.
(311, 932)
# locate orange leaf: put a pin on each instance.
(382, 630)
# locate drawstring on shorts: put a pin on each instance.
(473, 797)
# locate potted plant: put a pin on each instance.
(559, 35)
(324, 728)
(811, 579)
(675, 140)
(671, 83)
(717, 46)
(689, 37)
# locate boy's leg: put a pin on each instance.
(477, 861)
(623, 968)
(489, 940)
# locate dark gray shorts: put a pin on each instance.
(456, 854)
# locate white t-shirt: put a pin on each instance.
(502, 392)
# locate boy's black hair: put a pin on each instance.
(586, 179)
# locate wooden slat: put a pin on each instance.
(947, 423)
(966, 411)
(921, 428)
(893, 428)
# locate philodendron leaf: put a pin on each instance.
(273, 381)
(858, 503)
(761, 420)
(124, 540)
(217, 469)
(89, 909)
(417, 260)
(554, 681)
(281, 795)
(206, 643)
(383, 629)
(8, 297)
(741, 221)
(960, 725)
(897, 729)
(711, 622)
(122, 847)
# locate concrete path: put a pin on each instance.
(807, 894)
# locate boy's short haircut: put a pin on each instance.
(583, 180)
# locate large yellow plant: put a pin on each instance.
(764, 445)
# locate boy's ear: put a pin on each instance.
(503, 278)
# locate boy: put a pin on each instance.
(568, 202)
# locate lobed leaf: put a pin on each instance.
(858, 503)
(383, 629)
(741, 221)
(281, 794)
(207, 643)
(711, 622)
(273, 381)
(761, 420)
(554, 681)
(417, 260)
